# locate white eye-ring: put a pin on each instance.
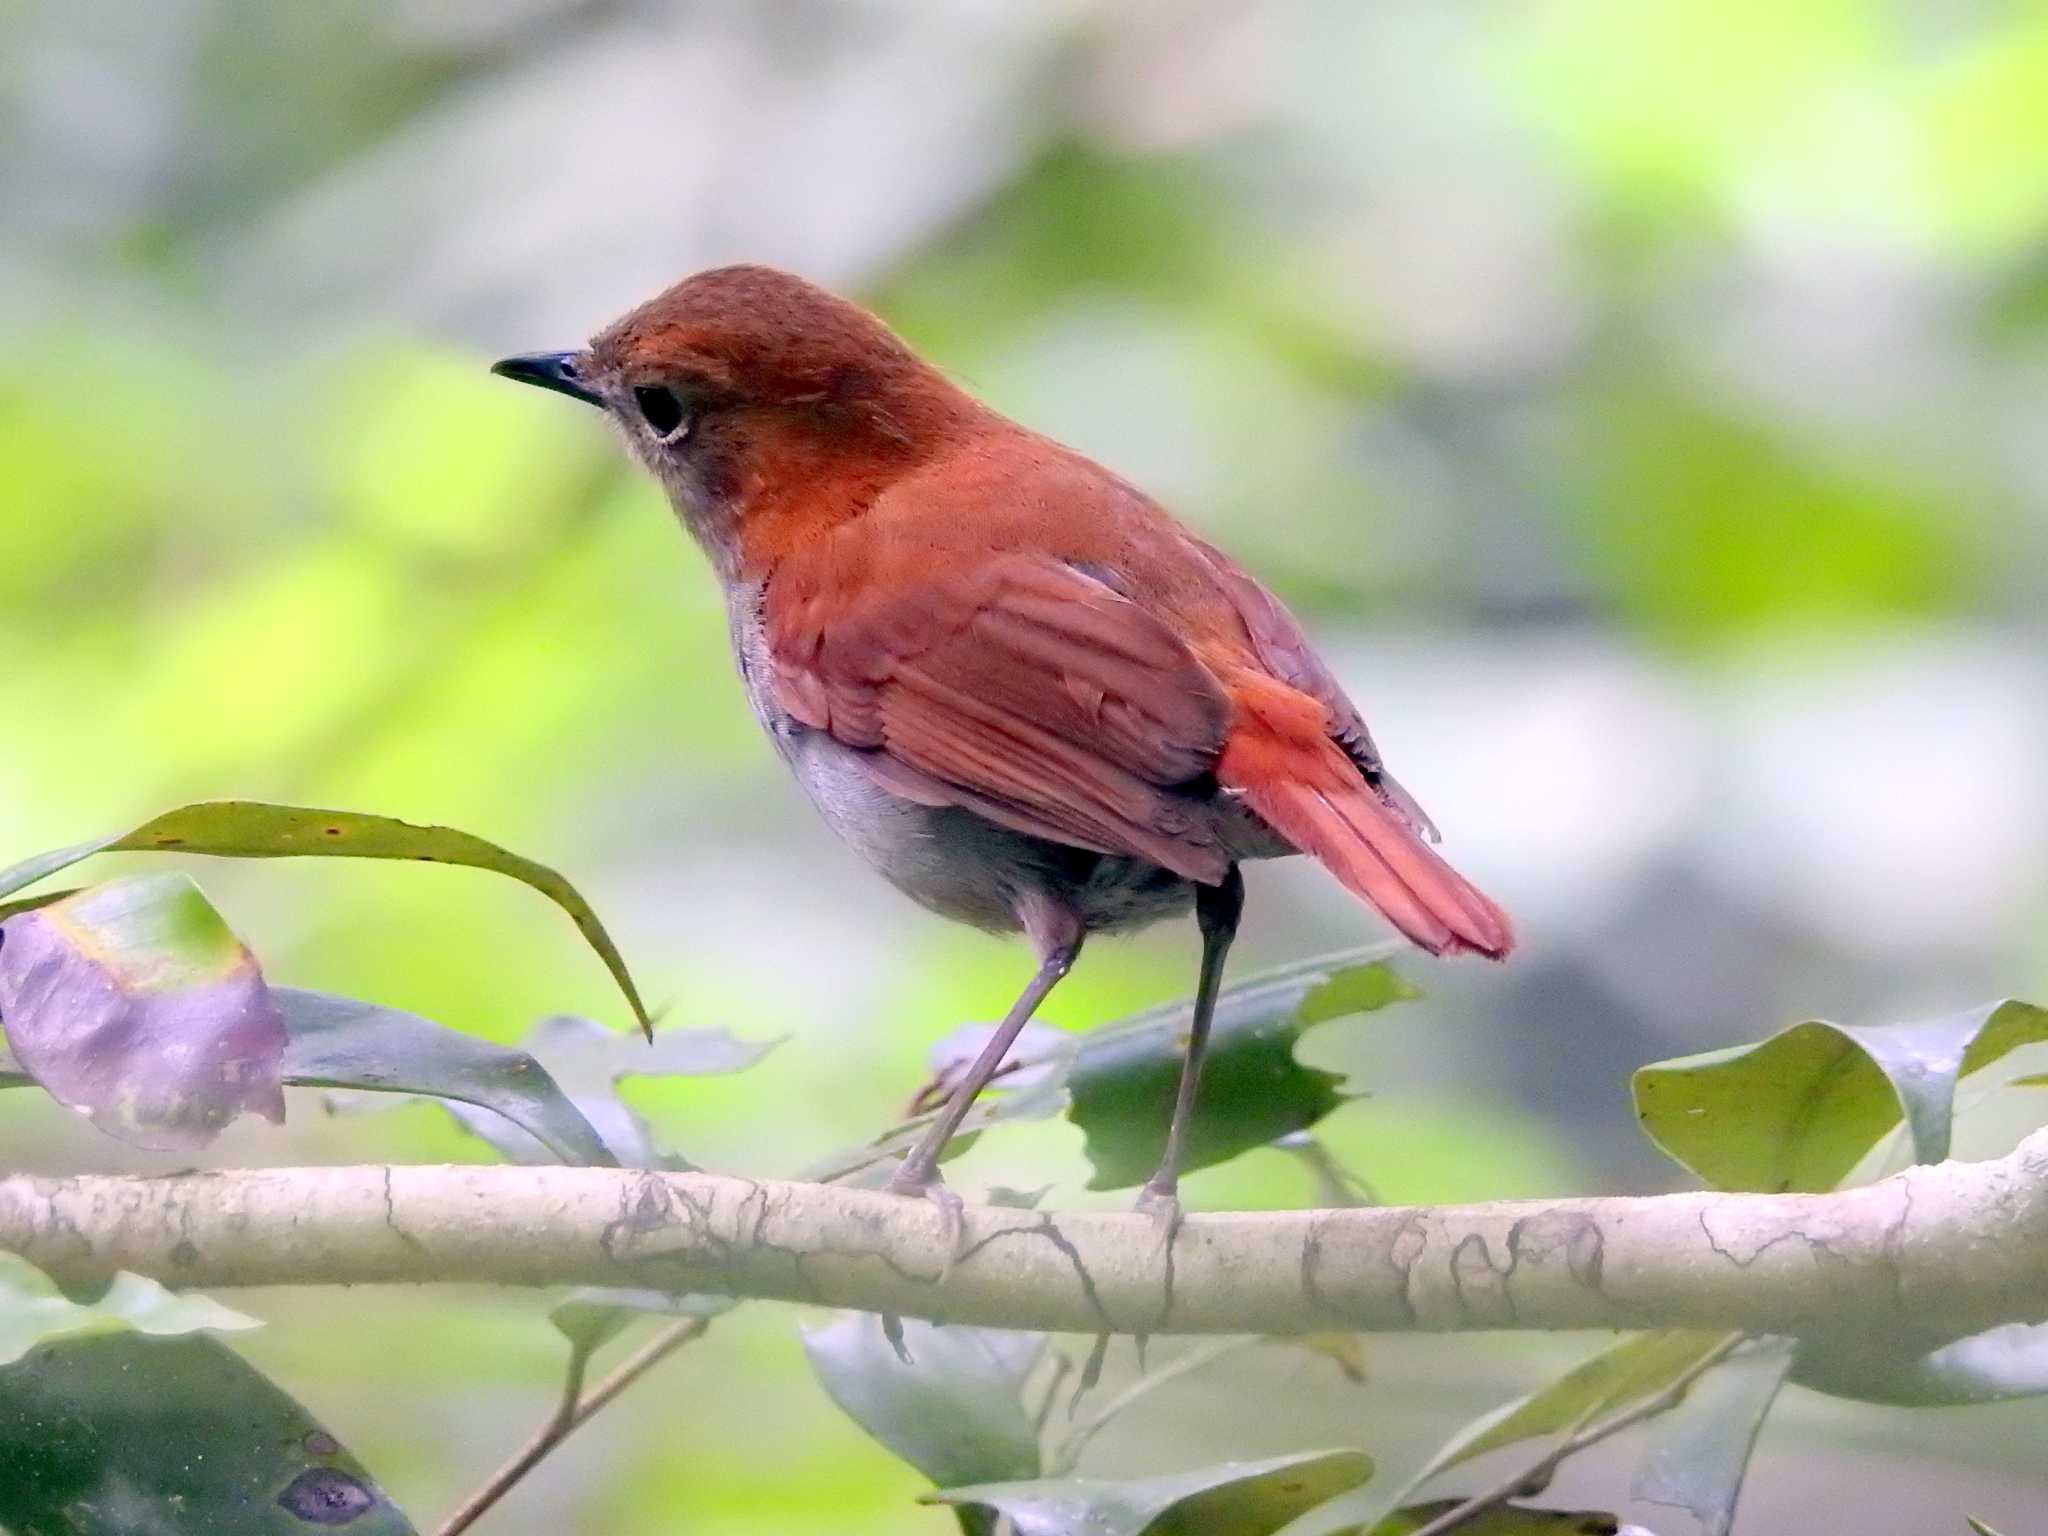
(663, 411)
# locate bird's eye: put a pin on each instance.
(663, 411)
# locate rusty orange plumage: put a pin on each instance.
(1011, 679)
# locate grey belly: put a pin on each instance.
(964, 867)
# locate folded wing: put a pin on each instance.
(1017, 686)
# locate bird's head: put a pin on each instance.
(752, 394)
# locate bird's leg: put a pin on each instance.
(1059, 941)
(1217, 910)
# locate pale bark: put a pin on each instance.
(1932, 1252)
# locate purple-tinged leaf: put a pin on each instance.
(134, 1004)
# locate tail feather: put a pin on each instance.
(1377, 854)
(1281, 758)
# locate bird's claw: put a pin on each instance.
(1162, 1205)
(892, 1330)
(952, 1213)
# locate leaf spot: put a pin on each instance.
(324, 1496)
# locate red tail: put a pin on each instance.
(1301, 783)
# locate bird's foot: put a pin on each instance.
(1160, 1200)
(892, 1330)
(952, 1210)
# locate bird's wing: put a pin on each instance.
(1283, 649)
(1015, 685)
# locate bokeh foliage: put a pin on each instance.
(1605, 383)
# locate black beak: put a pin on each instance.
(548, 370)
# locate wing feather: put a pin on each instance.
(1021, 688)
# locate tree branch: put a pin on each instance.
(1933, 1252)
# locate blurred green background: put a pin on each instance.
(1646, 404)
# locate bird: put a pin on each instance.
(1030, 697)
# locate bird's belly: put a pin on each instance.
(964, 867)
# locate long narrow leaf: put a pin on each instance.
(252, 829)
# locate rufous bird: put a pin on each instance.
(1025, 693)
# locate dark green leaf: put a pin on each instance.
(955, 1412)
(1254, 1091)
(1234, 1498)
(133, 1003)
(32, 1309)
(338, 1042)
(119, 1434)
(1698, 1456)
(1988, 1367)
(1133, 1064)
(1800, 1110)
(1507, 1520)
(250, 829)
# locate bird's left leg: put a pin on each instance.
(1057, 933)
(1217, 910)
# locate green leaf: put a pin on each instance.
(1990, 1367)
(955, 1412)
(1616, 1379)
(32, 1309)
(250, 829)
(1697, 1457)
(1506, 1520)
(1233, 1498)
(133, 1003)
(119, 1434)
(1123, 1079)
(591, 1315)
(1979, 1527)
(30, 903)
(338, 1042)
(1800, 1110)
(1610, 1382)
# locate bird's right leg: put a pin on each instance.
(1057, 933)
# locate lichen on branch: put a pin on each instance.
(1935, 1251)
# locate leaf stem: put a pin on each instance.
(1578, 1438)
(571, 1413)
(1068, 1456)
